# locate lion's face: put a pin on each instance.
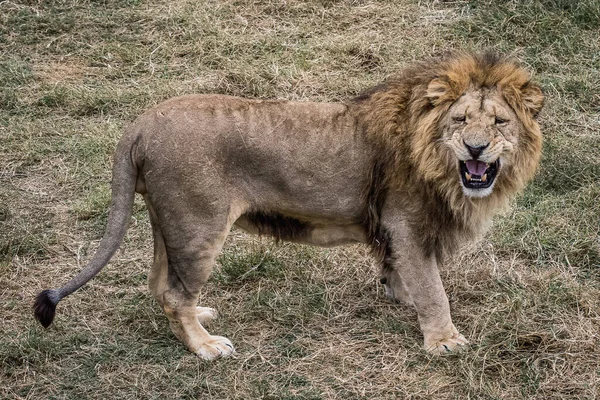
(482, 131)
(483, 113)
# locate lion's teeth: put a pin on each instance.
(468, 176)
(484, 178)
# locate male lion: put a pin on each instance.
(411, 167)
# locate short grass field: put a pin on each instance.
(307, 323)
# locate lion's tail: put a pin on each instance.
(123, 193)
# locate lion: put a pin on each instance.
(413, 168)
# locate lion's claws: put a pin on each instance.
(455, 343)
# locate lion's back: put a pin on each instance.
(294, 153)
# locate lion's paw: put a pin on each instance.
(215, 347)
(205, 315)
(455, 343)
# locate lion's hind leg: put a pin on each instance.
(206, 315)
(186, 327)
(188, 270)
(157, 278)
(184, 256)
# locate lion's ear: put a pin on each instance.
(437, 91)
(444, 89)
(532, 97)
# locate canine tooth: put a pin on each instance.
(484, 178)
(468, 176)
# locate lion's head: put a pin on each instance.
(461, 136)
(485, 109)
(475, 132)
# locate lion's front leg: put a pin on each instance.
(439, 333)
(412, 277)
(418, 283)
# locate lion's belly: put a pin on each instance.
(301, 231)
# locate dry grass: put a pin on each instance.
(307, 323)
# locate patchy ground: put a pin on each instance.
(307, 323)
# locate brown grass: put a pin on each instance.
(307, 323)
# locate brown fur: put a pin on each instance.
(382, 169)
(402, 118)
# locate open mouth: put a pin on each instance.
(477, 174)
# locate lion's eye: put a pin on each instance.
(460, 119)
(500, 121)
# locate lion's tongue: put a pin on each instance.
(476, 167)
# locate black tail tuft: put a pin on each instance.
(45, 306)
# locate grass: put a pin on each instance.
(307, 323)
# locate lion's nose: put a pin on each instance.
(476, 151)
